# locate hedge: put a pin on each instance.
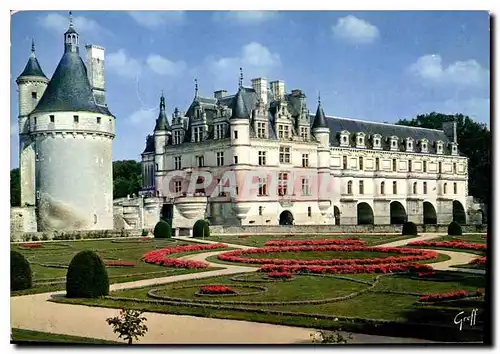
(454, 229)
(162, 230)
(409, 229)
(20, 272)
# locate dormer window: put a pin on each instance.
(261, 130)
(394, 143)
(424, 143)
(304, 133)
(439, 147)
(219, 131)
(283, 131)
(360, 140)
(376, 140)
(344, 138)
(177, 137)
(197, 134)
(454, 149)
(409, 144)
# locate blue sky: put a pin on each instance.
(374, 65)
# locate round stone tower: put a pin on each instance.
(72, 135)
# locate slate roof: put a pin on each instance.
(69, 89)
(162, 121)
(32, 68)
(319, 118)
(150, 145)
(337, 124)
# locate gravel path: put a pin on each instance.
(34, 312)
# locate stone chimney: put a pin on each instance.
(260, 87)
(278, 89)
(219, 94)
(450, 130)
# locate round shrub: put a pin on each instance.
(454, 229)
(409, 229)
(162, 230)
(144, 233)
(20, 272)
(201, 229)
(87, 276)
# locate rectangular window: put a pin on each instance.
(282, 183)
(198, 134)
(52, 118)
(394, 165)
(424, 165)
(361, 163)
(281, 130)
(262, 187)
(309, 211)
(236, 134)
(361, 187)
(219, 131)
(305, 160)
(409, 165)
(377, 164)
(260, 211)
(235, 159)
(75, 119)
(394, 187)
(262, 158)
(177, 163)
(440, 167)
(33, 95)
(98, 120)
(454, 167)
(178, 186)
(34, 120)
(425, 187)
(284, 154)
(201, 161)
(305, 187)
(344, 162)
(455, 188)
(303, 133)
(177, 137)
(261, 130)
(220, 158)
(286, 132)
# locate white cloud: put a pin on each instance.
(163, 66)
(245, 17)
(59, 24)
(143, 116)
(155, 19)
(355, 30)
(466, 73)
(123, 65)
(255, 58)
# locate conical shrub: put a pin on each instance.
(87, 276)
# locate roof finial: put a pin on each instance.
(240, 83)
(319, 97)
(32, 44)
(195, 87)
(70, 19)
(162, 93)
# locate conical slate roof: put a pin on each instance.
(69, 89)
(32, 67)
(239, 109)
(319, 119)
(162, 121)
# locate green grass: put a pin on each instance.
(470, 238)
(61, 252)
(470, 266)
(402, 308)
(23, 336)
(260, 240)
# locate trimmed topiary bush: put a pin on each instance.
(144, 233)
(454, 229)
(162, 230)
(87, 276)
(201, 228)
(20, 272)
(409, 229)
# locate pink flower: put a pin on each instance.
(159, 256)
(216, 289)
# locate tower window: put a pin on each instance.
(425, 166)
(98, 120)
(34, 120)
(260, 210)
(394, 165)
(425, 187)
(394, 187)
(360, 163)
(309, 211)
(361, 187)
(236, 134)
(52, 118)
(33, 95)
(409, 165)
(382, 188)
(344, 162)
(235, 160)
(377, 164)
(76, 119)
(349, 187)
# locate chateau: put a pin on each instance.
(65, 137)
(382, 173)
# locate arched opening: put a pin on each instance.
(199, 181)
(398, 214)
(336, 215)
(365, 214)
(430, 216)
(286, 218)
(458, 212)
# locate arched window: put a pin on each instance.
(349, 187)
(394, 187)
(414, 187)
(382, 188)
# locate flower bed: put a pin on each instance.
(279, 275)
(216, 289)
(479, 261)
(426, 274)
(346, 269)
(314, 242)
(450, 244)
(453, 295)
(32, 245)
(159, 256)
(410, 255)
(119, 264)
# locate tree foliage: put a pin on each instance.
(474, 141)
(15, 188)
(129, 325)
(126, 178)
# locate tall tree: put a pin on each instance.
(126, 178)
(15, 188)
(474, 141)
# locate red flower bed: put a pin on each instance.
(159, 256)
(410, 255)
(346, 269)
(119, 264)
(279, 275)
(216, 289)
(243, 236)
(450, 244)
(479, 261)
(314, 242)
(447, 296)
(32, 245)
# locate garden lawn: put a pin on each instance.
(49, 262)
(260, 240)
(469, 238)
(23, 336)
(376, 304)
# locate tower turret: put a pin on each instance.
(162, 132)
(71, 37)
